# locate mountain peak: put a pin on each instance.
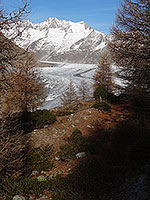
(61, 40)
(51, 19)
(85, 24)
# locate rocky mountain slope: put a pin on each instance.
(61, 40)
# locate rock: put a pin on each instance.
(73, 126)
(70, 118)
(34, 173)
(57, 158)
(80, 155)
(85, 118)
(88, 126)
(45, 196)
(125, 111)
(63, 133)
(31, 198)
(55, 135)
(18, 197)
(41, 178)
(35, 130)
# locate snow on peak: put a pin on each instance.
(85, 24)
(55, 39)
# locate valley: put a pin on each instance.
(58, 76)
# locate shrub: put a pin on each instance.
(43, 117)
(102, 106)
(77, 143)
(12, 152)
(68, 151)
(100, 91)
(114, 99)
(75, 137)
(38, 159)
(12, 186)
(76, 131)
(63, 113)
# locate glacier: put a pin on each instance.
(58, 78)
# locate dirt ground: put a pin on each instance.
(84, 120)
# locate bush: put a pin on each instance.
(12, 186)
(38, 159)
(68, 151)
(77, 143)
(63, 113)
(43, 117)
(102, 106)
(75, 137)
(12, 152)
(112, 98)
(102, 92)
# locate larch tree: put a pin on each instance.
(70, 95)
(7, 20)
(130, 44)
(27, 90)
(104, 75)
(21, 89)
(21, 85)
(9, 52)
(83, 90)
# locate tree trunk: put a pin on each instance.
(100, 99)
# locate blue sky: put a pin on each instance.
(99, 14)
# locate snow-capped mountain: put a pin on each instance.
(61, 41)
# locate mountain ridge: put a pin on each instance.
(61, 40)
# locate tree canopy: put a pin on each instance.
(104, 74)
(70, 95)
(21, 85)
(130, 44)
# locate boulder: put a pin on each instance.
(80, 155)
(34, 173)
(18, 197)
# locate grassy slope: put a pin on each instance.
(115, 151)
